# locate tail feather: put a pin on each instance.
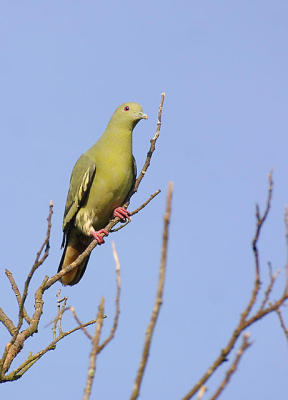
(71, 251)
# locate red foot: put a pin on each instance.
(97, 235)
(121, 213)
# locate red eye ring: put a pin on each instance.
(126, 108)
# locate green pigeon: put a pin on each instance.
(100, 182)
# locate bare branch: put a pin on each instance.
(145, 203)
(117, 300)
(244, 346)
(260, 222)
(137, 210)
(61, 310)
(17, 294)
(18, 339)
(269, 287)
(278, 311)
(38, 261)
(152, 147)
(72, 309)
(19, 371)
(244, 323)
(6, 321)
(282, 323)
(94, 351)
(158, 301)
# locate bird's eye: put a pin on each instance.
(126, 108)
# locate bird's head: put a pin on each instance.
(128, 115)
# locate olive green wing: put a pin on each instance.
(80, 183)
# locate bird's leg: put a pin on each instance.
(97, 235)
(121, 213)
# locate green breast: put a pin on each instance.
(109, 190)
(112, 182)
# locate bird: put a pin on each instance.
(101, 181)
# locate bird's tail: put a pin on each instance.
(71, 251)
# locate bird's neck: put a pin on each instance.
(117, 135)
(116, 140)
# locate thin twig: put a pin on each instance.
(152, 147)
(158, 301)
(278, 311)
(117, 300)
(137, 210)
(145, 203)
(58, 319)
(94, 351)
(81, 325)
(38, 261)
(61, 310)
(269, 287)
(260, 222)
(17, 294)
(282, 323)
(244, 346)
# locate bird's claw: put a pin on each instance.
(121, 213)
(98, 235)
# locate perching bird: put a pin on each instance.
(100, 182)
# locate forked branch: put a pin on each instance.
(246, 321)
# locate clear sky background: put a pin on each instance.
(65, 66)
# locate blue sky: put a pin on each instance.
(65, 66)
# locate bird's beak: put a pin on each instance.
(141, 115)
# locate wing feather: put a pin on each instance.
(80, 183)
